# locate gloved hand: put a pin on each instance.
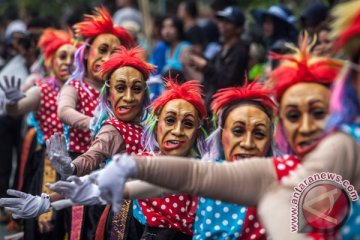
(112, 178)
(59, 157)
(25, 205)
(12, 90)
(78, 190)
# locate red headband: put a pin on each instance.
(189, 91)
(124, 57)
(253, 92)
(101, 23)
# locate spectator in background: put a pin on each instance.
(14, 31)
(212, 43)
(187, 11)
(157, 56)
(324, 46)
(35, 28)
(313, 16)
(177, 50)
(228, 67)
(10, 127)
(127, 11)
(21, 65)
(278, 25)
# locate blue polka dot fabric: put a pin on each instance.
(353, 130)
(218, 220)
(351, 229)
(137, 212)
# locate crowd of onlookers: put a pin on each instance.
(219, 48)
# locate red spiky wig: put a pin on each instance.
(346, 26)
(302, 67)
(252, 92)
(123, 57)
(100, 23)
(51, 40)
(189, 91)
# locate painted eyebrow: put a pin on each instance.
(189, 115)
(241, 122)
(316, 101)
(172, 112)
(291, 106)
(259, 124)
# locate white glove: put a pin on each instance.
(25, 205)
(112, 178)
(12, 90)
(61, 204)
(78, 190)
(59, 157)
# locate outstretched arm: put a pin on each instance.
(29, 103)
(107, 143)
(67, 109)
(140, 190)
(337, 153)
(243, 182)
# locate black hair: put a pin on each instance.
(178, 24)
(191, 8)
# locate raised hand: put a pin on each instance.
(78, 190)
(25, 205)
(58, 155)
(112, 178)
(12, 90)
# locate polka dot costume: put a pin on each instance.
(130, 132)
(175, 211)
(220, 220)
(252, 228)
(284, 165)
(80, 140)
(350, 230)
(137, 211)
(46, 115)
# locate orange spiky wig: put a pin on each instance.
(189, 91)
(254, 91)
(131, 58)
(51, 40)
(346, 26)
(101, 22)
(302, 67)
